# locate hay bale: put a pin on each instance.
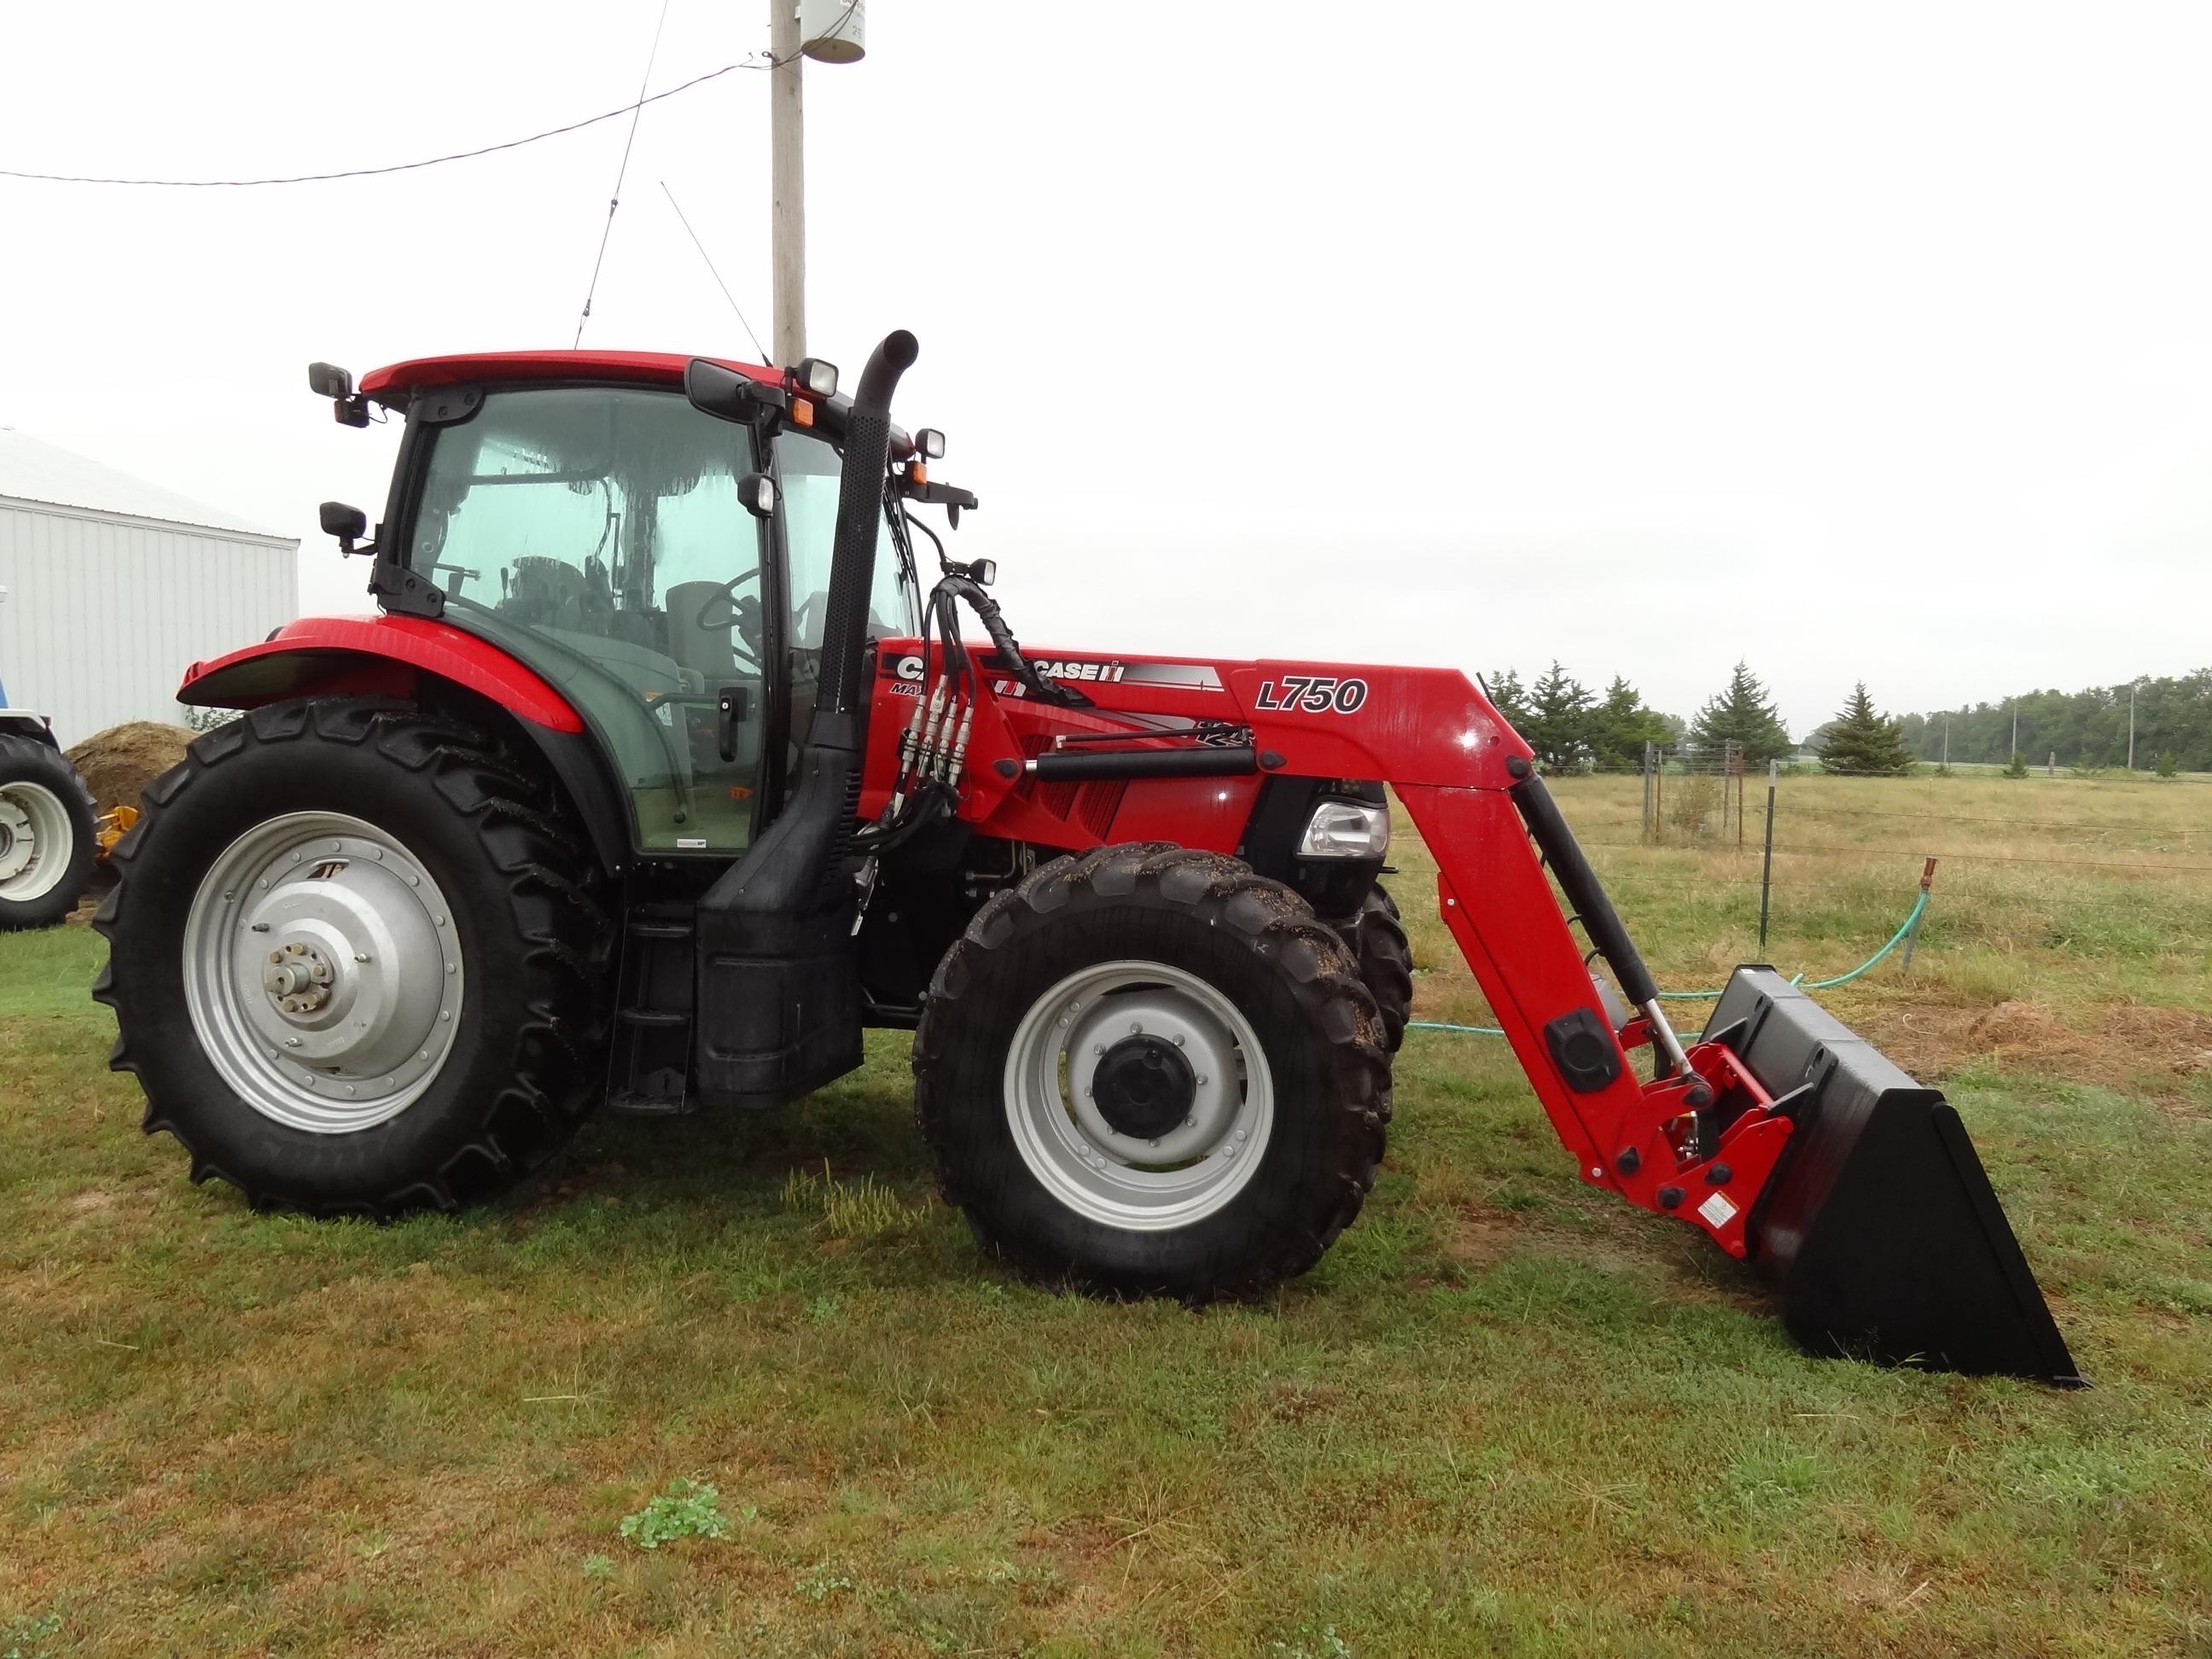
(117, 765)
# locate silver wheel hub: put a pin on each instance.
(322, 972)
(34, 841)
(1092, 1068)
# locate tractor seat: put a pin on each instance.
(705, 651)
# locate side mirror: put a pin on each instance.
(348, 524)
(722, 392)
(757, 491)
(329, 381)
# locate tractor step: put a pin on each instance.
(650, 1064)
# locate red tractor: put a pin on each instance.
(663, 772)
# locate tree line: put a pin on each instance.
(1574, 729)
(2086, 729)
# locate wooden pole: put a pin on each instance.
(788, 175)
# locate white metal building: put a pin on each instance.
(111, 587)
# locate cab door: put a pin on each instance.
(595, 532)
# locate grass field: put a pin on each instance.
(1506, 1414)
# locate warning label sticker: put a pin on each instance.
(1718, 1211)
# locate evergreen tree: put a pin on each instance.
(1511, 698)
(1620, 726)
(1559, 728)
(1743, 714)
(2168, 766)
(1859, 743)
(2018, 769)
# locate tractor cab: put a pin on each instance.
(667, 571)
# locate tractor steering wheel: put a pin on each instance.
(721, 610)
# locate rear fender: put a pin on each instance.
(406, 656)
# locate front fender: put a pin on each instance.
(372, 654)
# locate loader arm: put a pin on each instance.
(1780, 1135)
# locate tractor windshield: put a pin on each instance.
(596, 532)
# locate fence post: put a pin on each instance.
(1647, 793)
(1913, 934)
(1767, 871)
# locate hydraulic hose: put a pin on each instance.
(994, 623)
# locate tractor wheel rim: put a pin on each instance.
(1127, 1178)
(323, 972)
(34, 842)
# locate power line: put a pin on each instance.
(757, 62)
(637, 112)
(711, 271)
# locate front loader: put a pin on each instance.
(660, 773)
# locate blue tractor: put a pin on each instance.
(48, 842)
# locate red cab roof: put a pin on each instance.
(632, 368)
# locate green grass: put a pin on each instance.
(1506, 1413)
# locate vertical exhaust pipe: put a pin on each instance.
(840, 706)
(778, 1002)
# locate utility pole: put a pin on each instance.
(2131, 728)
(2016, 726)
(829, 32)
(1947, 745)
(787, 165)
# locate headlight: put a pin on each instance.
(1345, 829)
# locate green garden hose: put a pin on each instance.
(1904, 931)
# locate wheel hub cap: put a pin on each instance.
(323, 972)
(1139, 1095)
(18, 844)
(1144, 1086)
(34, 841)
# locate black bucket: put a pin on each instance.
(1878, 1225)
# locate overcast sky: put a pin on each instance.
(1869, 342)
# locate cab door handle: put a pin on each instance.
(731, 705)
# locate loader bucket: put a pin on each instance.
(1878, 1225)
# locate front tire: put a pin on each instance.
(1376, 938)
(1147, 1070)
(46, 836)
(354, 961)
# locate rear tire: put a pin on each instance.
(47, 837)
(1377, 939)
(392, 988)
(1181, 965)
